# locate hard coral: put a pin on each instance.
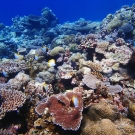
(19, 80)
(103, 127)
(125, 126)
(55, 51)
(63, 112)
(90, 80)
(101, 47)
(13, 66)
(11, 100)
(103, 110)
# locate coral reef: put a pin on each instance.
(11, 100)
(71, 78)
(63, 113)
(103, 110)
(105, 126)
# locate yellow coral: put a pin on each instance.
(55, 51)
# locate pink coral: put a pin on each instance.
(13, 66)
(63, 112)
(11, 99)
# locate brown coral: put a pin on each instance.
(103, 110)
(125, 126)
(132, 110)
(103, 127)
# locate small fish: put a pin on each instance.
(51, 63)
(44, 49)
(75, 101)
(36, 57)
(45, 87)
(18, 56)
(5, 73)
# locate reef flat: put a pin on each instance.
(73, 78)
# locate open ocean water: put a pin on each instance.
(94, 10)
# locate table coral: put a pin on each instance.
(64, 114)
(90, 81)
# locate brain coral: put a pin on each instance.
(103, 110)
(103, 127)
(55, 51)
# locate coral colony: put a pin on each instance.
(74, 78)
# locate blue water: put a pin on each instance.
(65, 10)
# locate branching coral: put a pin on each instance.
(101, 47)
(13, 66)
(11, 100)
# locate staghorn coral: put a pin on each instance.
(102, 110)
(63, 113)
